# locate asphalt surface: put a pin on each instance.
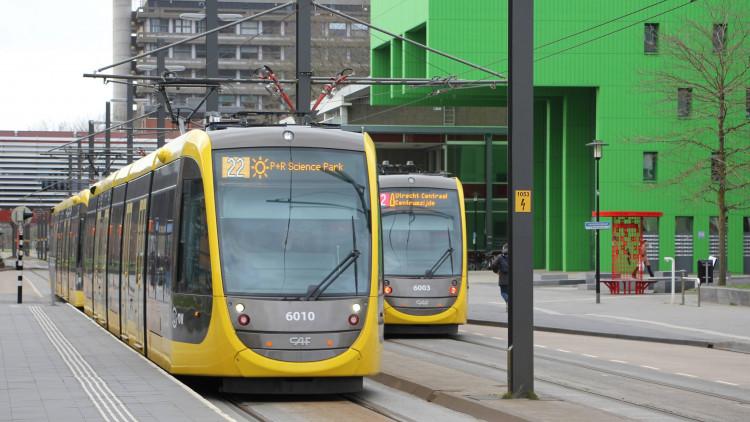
(649, 316)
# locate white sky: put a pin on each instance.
(45, 47)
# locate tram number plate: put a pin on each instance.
(235, 167)
(300, 316)
(421, 288)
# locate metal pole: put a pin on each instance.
(489, 178)
(79, 154)
(129, 114)
(90, 155)
(304, 66)
(596, 235)
(521, 178)
(19, 263)
(107, 136)
(212, 53)
(160, 68)
(70, 174)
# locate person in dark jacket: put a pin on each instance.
(501, 267)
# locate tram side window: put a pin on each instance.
(161, 231)
(75, 246)
(194, 264)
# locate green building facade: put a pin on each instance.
(591, 66)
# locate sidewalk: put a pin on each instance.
(57, 365)
(649, 317)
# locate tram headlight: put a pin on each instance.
(453, 290)
(288, 135)
(243, 319)
(239, 308)
(387, 290)
(356, 308)
(353, 319)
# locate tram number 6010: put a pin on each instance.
(300, 316)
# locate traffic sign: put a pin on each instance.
(21, 215)
(523, 201)
(597, 225)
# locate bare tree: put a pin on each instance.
(707, 74)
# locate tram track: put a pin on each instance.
(580, 388)
(618, 373)
(347, 407)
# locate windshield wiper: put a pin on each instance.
(431, 271)
(360, 189)
(339, 269)
(448, 252)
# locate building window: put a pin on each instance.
(684, 101)
(182, 26)
(182, 51)
(159, 25)
(271, 52)
(651, 38)
(230, 30)
(226, 100)
(249, 28)
(649, 166)
(227, 73)
(359, 30)
(720, 37)
(250, 102)
(200, 26)
(337, 29)
(199, 73)
(249, 52)
(200, 51)
(271, 28)
(227, 52)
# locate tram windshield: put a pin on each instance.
(293, 222)
(421, 232)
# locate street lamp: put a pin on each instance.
(597, 148)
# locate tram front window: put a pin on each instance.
(293, 222)
(421, 232)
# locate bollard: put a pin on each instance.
(671, 299)
(19, 263)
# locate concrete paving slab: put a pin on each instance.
(56, 364)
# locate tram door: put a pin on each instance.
(683, 243)
(133, 279)
(746, 243)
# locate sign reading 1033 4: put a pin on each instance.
(523, 201)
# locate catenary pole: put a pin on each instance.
(160, 69)
(129, 116)
(304, 65)
(521, 181)
(212, 53)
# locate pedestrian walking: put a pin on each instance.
(501, 267)
(643, 258)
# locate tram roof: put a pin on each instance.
(273, 136)
(417, 180)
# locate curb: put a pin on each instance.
(446, 399)
(681, 342)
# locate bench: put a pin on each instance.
(627, 286)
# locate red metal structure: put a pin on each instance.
(627, 233)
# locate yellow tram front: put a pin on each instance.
(298, 246)
(424, 253)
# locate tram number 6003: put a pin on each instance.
(300, 316)
(421, 288)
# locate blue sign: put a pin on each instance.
(597, 225)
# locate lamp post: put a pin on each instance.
(597, 147)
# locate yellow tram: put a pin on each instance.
(246, 254)
(424, 253)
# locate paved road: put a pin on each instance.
(652, 315)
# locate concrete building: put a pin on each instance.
(591, 68)
(337, 44)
